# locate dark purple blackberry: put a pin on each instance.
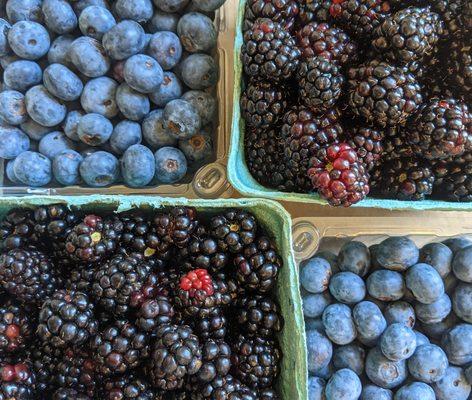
(175, 355)
(16, 328)
(320, 82)
(408, 35)
(135, 231)
(210, 324)
(44, 360)
(255, 361)
(440, 129)
(154, 312)
(127, 388)
(321, 39)
(382, 94)
(120, 348)
(455, 182)
(176, 226)
(263, 104)
(269, 52)
(459, 69)
(80, 278)
(314, 10)
(28, 275)
(228, 388)
(17, 229)
(69, 394)
(17, 381)
(281, 11)
(216, 360)
(396, 145)
(257, 267)
(457, 14)
(368, 143)
(66, 319)
(268, 394)
(258, 316)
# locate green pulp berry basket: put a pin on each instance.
(292, 382)
(243, 182)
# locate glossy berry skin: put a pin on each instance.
(384, 372)
(22, 74)
(13, 142)
(181, 119)
(89, 57)
(315, 275)
(95, 21)
(138, 166)
(99, 169)
(32, 169)
(124, 40)
(54, 143)
(343, 385)
(453, 385)
(99, 96)
(320, 350)
(166, 48)
(425, 283)
(199, 71)
(171, 164)
(339, 324)
(351, 356)
(197, 33)
(354, 257)
(457, 345)
(62, 82)
(369, 322)
(428, 364)
(462, 265)
(398, 342)
(132, 104)
(372, 392)
(65, 167)
(415, 390)
(44, 108)
(170, 89)
(386, 285)
(29, 40)
(143, 73)
(434, 312)
(397, 253)
(462, 301)
(439, 256)
(347, 287)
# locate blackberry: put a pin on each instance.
(396, 145)
(255, 361)
(69, 394)
(94, 239)
(304, 135)
(176, 226)
(210, 324)
(80, 278)
(459, 69)
(281, 11)
(408, 35)
(269, 52)
(314, 10)
(216, 360)
(127, 387)
(28, 275)
(258, 265)
(44, 360)
(368, 143)
(440, 129)
(457, 14)
(17, 229)
(66, 319)
(263, 104)
(54, 223)
(320, 82)
(456, 185)
(339, 176)
(258, 316)
(120, 348)
(16, 328)
(17, 381)
(228, 388)
(382, 94)
(136, 234)
(116, 281)
(233, 230)
(176, 354)
(268, 394)
(321, 39)
(154, 312)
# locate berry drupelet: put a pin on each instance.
(154, 312)
(456, 185)
(128, 387)
(281, 11)
(227, 387)
(216, 360)
(368, 143)
(17, 230)
(176, 226)
(16, 328)
(17, 381)
(459, 69)
(310, 10)
(69, 394)
(457, 15)
(210, 324)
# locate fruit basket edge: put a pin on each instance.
(292, 382)
(242, 180)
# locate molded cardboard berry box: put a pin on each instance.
(242, 180)
(292, 382)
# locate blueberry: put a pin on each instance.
(124, 40)
(59, 16)
(95, 21)
(339, 324)
(99, 96)
(450, 283)
(400, 312)
(162, 21)
(331, 258)
(434, 312)
(199, 71)
(383, 372)
(94, 129)
(453, 385)
(319, 350)
(343, 385)
(166, 48)
(100, 169)
(12, 107)
(437, 330)
(137, 10)
(13, 142)
(347, 287)
(421, 339)
(397, 253)
(415, 391)
(138, 166)
(23, 74)
(32, 169)
(89, 57)
(81, 5)
(59, 50)
(29, 40)
(171, 165)
(428, 364)
(54, 143)
(170, 89)
(171, 5)
(125, 134)
(4, 46)
(34, 130)
(351, 356)
(197, 148)
(439, 256)
(398, 342)
(354, 257)
(24, 10)
(154, 132)
(71, 124)
(462, 301)
(425, 283)
(315, 274)
(65, 167)
(43, 107)
(325, 372)
(457, 344)
(316, 388)
(314, 324)
(372, 392)
(181, 119)
(204, 103)
(315, 304)
(11, 173)
(386, 285)
(457, 243)
(462, 264)
(468, 374)
(369, 322)
(132, 104)
(143, 73)
(197, 33)
(62, 82)
(88, 150)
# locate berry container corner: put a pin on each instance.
(292, 382)
(241, 179)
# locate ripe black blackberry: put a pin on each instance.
(459, 69)
(368, 143)
(210, 324)
(119, 348)
(383, 94)
(268, 394)
(269, 52)
(128, 387)
(263, 104)
(321, 39)
(176, 226)
(80, 278)
(94, 239)
(17, 230)
(457, 14)
(117, 280)
(255, 361)
(44, 360)
(440, 129)
(258, 316)
(216, 360)
(69, 394)
(320, 82)
(408, 35)
(257, 266)
(456, 184)
(16, 328)
(136, 229)
(227, 387)
(154, 312)
(175, 355)
(17, 381)
(314, 10)
(281, 11)
(28, 274)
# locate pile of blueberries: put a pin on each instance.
(97, 92)
(390, 321)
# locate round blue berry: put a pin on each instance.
(198, 148)
(316, 388)
(95, 21)
(12, 107)
(124, 40)
(181, 119)
(462, 301)
(99, 96)
(154, 132)
(54, 143)
(62, 82)
(339, 324)
(4, 45)
(415, 391)
(34, 130)
(315, 304)
(437, 330)
(65, 167)
(398, 342)
(59, 16)
(457, 344)
(81, 5)
(43, 107)
(162, 21)
(434, 312)
(354, 257)
(372, 392)
(396, 253)
(425, 283)
(132, 104)
(199, 71)
(369, 322)
(315, 274)
(24, 10)
(166, 48)
(350, 356)
(171, 5)
(171, 165)
(94, 129)
(347, 287)
(383, 372)
(343, 385)
(10, 172)
(143, 73)
(100, 169)
(71, 123)
(13, 142)
(29, 40)
(428, 364)
(400, 312)
(453, 385)
(89, 57)
(319, 350)
(138, 166)
(386, 285)
(457, 243)
(32, 169)
(125, 134)
(170, 89)
(439, 256)
(421, 339)
(204, 103)
(197, 33)
(462, 264)
(59, 50)
(22, 74)
(137, 10)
